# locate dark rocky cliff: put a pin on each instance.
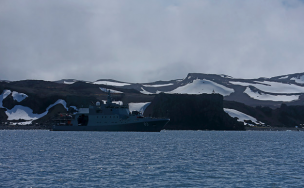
(192, 112)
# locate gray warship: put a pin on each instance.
(110, 117)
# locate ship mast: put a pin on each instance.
(109, 100)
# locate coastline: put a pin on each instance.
(273, 129)
(47, 127)
(23, 127)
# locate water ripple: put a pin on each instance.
(166, 159)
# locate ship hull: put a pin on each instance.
(154, 126)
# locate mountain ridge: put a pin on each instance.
(263, 91)
(255, 97)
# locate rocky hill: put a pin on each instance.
(270, 92)
(36, 100)
(275, 101)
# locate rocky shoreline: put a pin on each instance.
(47, 127)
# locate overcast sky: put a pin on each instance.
(149, 40)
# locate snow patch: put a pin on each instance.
(4, 94)
(19, 96)
(26, 113)
(284, 77)
(59, 101)
(273, 87)
(268, 97)
(111, 83)
(225, 76)
(159, 85)
(65, 82)
(141, 106)
(145, 92)
(111, 90)
(203, 86)
(22, 112)
(241, 116)
(299, 80)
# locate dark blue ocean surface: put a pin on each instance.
(38, 158)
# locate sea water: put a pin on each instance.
(37, 158)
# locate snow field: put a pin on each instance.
(268, 97)
(273, 87)
(299, 80)
(26, 113)
(16, 96)
(111, 83)
(159, 85)
(203, 86)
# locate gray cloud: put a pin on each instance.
(140, 41)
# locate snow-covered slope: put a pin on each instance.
(159, 85)
(298, 79)
(241, 116)
(203, 86)
(260, 91)
(254, 92)
(111, 83)
(23, 112)
(18, 96)
(273, 87)
(269, 97)
(4, 94)
(143, 91)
